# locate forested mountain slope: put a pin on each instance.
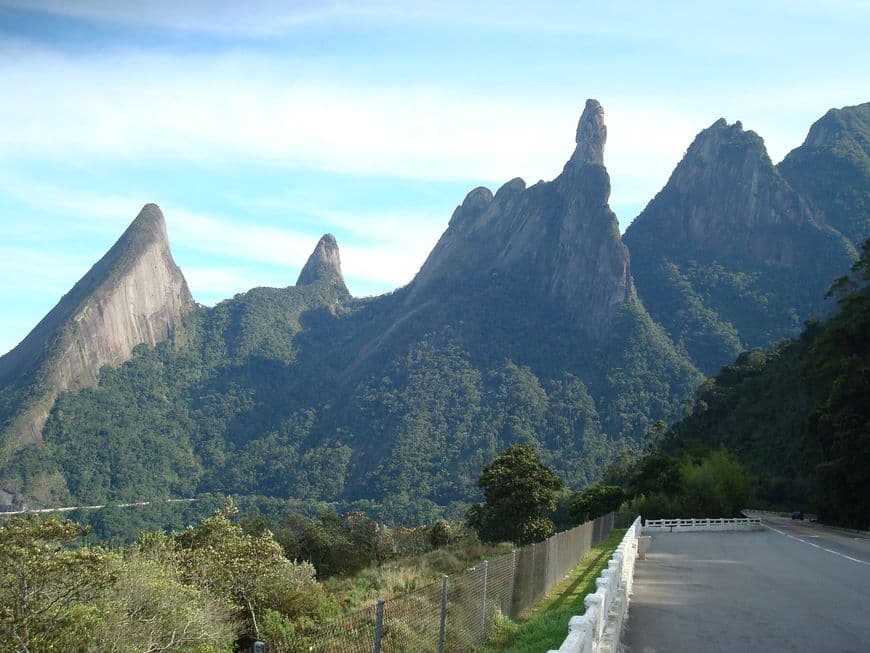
(832, 169)
(798, 415)
(728, 256)
(522, 326)
(134, 295)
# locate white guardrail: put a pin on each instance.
(599, 628)
(699, 525)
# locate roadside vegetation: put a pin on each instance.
(257, 575)
(203, 588)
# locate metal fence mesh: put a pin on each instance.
(457, 613)
(411, 621)
(352, 634)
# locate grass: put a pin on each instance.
(407, 574)
(546, 626)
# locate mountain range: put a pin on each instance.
(532, 320)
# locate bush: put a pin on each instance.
(595, 501)
(441, 533)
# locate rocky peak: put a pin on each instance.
(726, 197)
(591, 136)
(726, 230)
(558, 240)
(134, 294)
(324, 265)
(838, 144)
(722, 142)
(151, 219)
(472, 207)
(477, 200)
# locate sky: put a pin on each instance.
(259, 126)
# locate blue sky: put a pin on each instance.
(259, 126)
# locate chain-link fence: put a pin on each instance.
(458, 612)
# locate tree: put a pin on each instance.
(150, 609)
(249, 571)
(441, 533)
(654, 435)
(717, 486)
(595, 501)
(657, 472)
(520, 491)
(41, 580)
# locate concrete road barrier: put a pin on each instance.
(702, 525)
(600, 626)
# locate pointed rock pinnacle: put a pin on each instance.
(591, 135)
(324, 264)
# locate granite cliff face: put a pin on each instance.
(721, 255)
(837, 148)
(727, 199)
(135, 294)
(559, 238)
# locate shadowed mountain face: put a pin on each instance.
(558, 239)
(728, 256)
(832, 169)
(134, 295)
(523, 326)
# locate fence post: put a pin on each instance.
(546, 548)
(442, 634)
(483, 602)
(511, 614)
(379, 625)
(532, 576)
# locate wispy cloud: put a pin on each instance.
(256, 18)
(31, 269)
(212, 112)
(236, 109)
(380, 251)
(208, 111)
(268, 18)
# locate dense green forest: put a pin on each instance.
(249, 400)
(797, 417)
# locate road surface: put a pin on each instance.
(791, 587)
(45, 511)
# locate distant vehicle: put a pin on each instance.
(797, 515)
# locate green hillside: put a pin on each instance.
(798, 415)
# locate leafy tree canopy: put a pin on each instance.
(595, 501)
(520, 491)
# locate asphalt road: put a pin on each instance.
(801, 587)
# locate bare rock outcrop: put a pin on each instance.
(324, 265)
(727, 199)
(591, 135)
(135, 294)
